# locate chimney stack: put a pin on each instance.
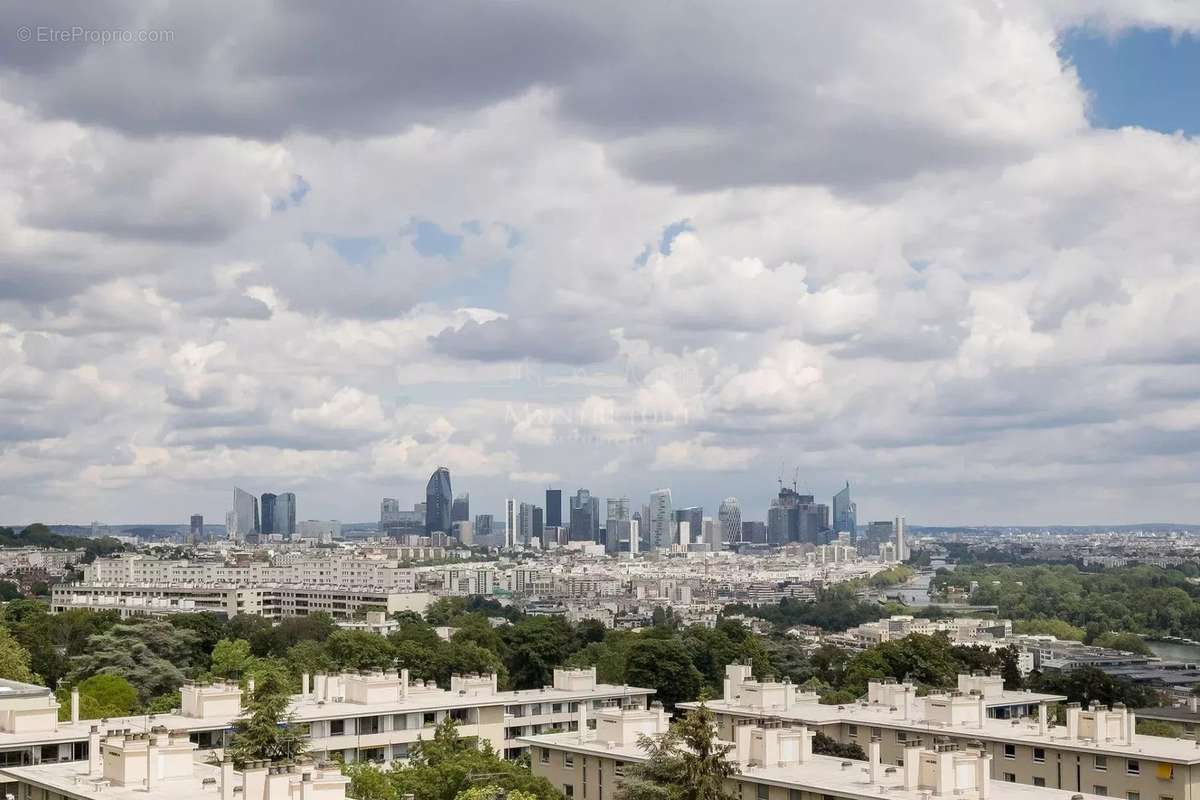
(304, 684)
(873, 756)
(94, 759)
(227, 778)
(75, 704)
(583, 717)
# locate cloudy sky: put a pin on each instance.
(945, 251)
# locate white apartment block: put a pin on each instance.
(1097, 751)
(159, 765)
(343, 572)
(774, 763)
(274, 601)
(359, 716)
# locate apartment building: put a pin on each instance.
(374, 716)
(1097, 750)
(774, 763)
(274, 601)
(136, 569)
(160, 765)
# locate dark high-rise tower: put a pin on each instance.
(285, 514)
(554, 508)
(460, 511)
(196, 534)
(585, 517)
(267, 507)
(438, 498)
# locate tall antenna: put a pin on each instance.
(796, 480)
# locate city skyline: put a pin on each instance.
(620, 249)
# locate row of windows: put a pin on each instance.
(1133, 766)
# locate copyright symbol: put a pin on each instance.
(24, 33)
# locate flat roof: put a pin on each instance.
(70, 778)
(307, 710)
(17, 689)
(1162, 748)
(823, 774)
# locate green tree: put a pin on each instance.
(359, 650)
(665, 666)
(231, 658)
(101, 696)
(442, 767)
(688, 762)
(14, 660)
(491, 792)
(265, 730)
(152, 655)
(1129, 642)
(1155, 727)
(1060, 629)
(825, 745)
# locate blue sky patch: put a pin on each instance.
(1145, 77)
(430, 239)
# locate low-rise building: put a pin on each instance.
(774, 762)
(373, 716)
(1097, 750)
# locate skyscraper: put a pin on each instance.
(525, 524)
(845, 514)
(554, 508)
(267, 507)
(729, 517)
(585, 517)
(460, 510)
(901, 540)
(659, 535)
(438, 498)
(196, 530)
(389, 516)
(510, 523)
(285, 515)
(694, 530)
(483, 528)
(245, 515)
(539, 526)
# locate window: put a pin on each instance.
(1133, 796)
(877, 733)
(1101, 763)
(1039, 781)
(1133, 767)
(545, 755)
(901, 736)
(852, 731)
(429, 719)
(1010, 751)
(1098, 789)
(1010, 777)
(568, 760)
(1165, 772)
(1039, 755)
(762, 791)
(558, 708)
(568, 790)
(619, 769)
(337, 727)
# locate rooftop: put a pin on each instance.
(819, 774)
(1025, 732)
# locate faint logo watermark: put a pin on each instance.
(80, 34)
